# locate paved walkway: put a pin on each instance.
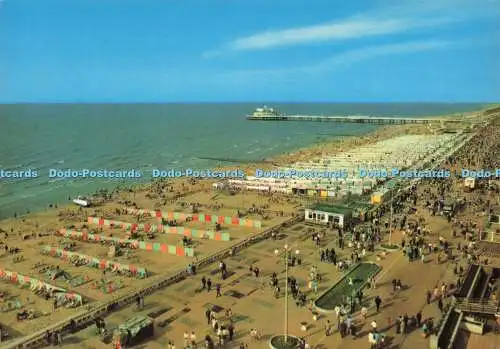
(258, 308)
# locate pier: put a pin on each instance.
(354, 119)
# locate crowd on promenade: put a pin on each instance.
(419, 245)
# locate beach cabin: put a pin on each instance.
(328, 214)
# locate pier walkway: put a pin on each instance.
(355, 119)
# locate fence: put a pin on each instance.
(95, 262)
(483, 306)
(35, 284)
(148, 246)
(207, 218)
(196, 233)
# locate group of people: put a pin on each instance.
(223, 331)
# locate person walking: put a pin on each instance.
(371, 281)
(328, 328)
(230, 330)
(209, 285)
(186, 338)
(343, 329)
(348, 324)
(337, 313)
(208, 314)
(378, 302)
(399, 286)
(364, 313)
(217, 289)
(419, 319)
(192, 338)
(402, 327)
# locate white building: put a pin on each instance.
(325, 214)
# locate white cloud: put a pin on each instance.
(348, 29)
(338, 60)
(365, 53)
(392, 19)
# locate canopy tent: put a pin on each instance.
(195, 233)
(207, 218)
(157, 247)
(36, 285)
(95, 262)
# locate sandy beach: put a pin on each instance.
(31, 233)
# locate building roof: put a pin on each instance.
(360, 206)
(331, 208)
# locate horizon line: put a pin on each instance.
(251, 102)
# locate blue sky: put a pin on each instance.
(249, 50)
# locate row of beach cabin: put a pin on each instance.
(401, 152)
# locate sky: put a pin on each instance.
(249, 50)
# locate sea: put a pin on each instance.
(164, 136)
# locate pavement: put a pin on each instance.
(257, 308)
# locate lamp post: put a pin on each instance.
(287, 250)
(390, 223)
